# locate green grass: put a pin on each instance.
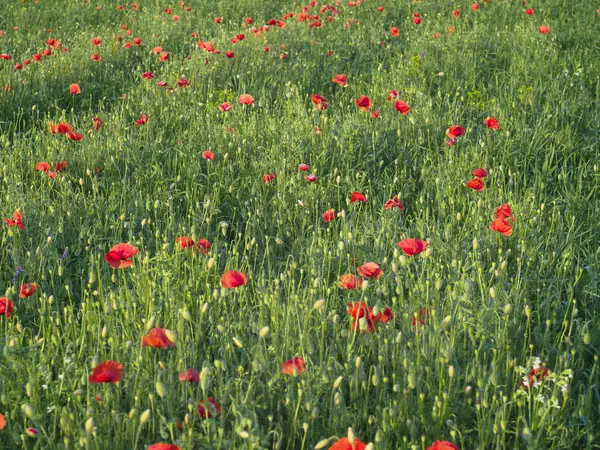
(497, 302)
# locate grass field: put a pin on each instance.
(379, 216)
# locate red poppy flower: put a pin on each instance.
(95, 41)
(224, 107)
(536, 375)
(208, 409)
(385, 316)
(137, 41)
(147, 75)
(42, 166)
(294, 366)
(27, 290)
(268, 177)
(375, 114)
(208, 46)
(481, 173)
(394, 203)
(340, 79)
(232, 279)
(303, 167)
(491, 123)
(96, 57)
(476, 184)
(530, 12)
(328, 215)
(5, 56)
(412, 246)
(311, 178)
(75, 136)
(456, 13)
(183, 83)
(157, 338)
(475, 6)
(157, 50)
(6, 306)
(97, 122)
(163, 56)
(364, 103)
(185, 242)
(503, 226)
(107, 372)
(393, 94)
(395, 31)
(443, 445)
(163, 446)
(190, 375)
(424, 315)
(370, 270)
(74, 89)
(207, 154)
(319, 101)
(142, 120)
(119, 256)
(359, 309)
(18, 66)
(358, 197)
(344, 444)
(402, 107)
(350, 282)
(455, 131)
(2, 422)
(544, 29)
(380, 8)
(16, 221)
(246, 99)
(229, 54)
(504, 212)
(203, 246)
(218, 19)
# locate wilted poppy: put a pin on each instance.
(491, 123)
(394, 203)
(393, 94)
(74, 89)
(345, 444)
(158, 338)
(370, 270)
(163, 56)
(60, 166)
(119, 256)
(96, 57)
(385, 316)
(364, 103)
(208, 409)
(349, 281)
(294, 366)
(163, 446)
(6, 306)
(455, 131)
(481, 173)
(233, 279)
(340, 79)
(424, 315)
(246, 99)
(328, 215)
(358, 197)
(477, 184)
(16, 221)
(32, 432)
(183, 83)
(190, 375)
(107, 372)
(544, 29)
(27, 290)
(503, 226)
(402, 107)
(412, 246)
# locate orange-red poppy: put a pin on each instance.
(328, 215)
(107, 372)
(477, 184)
(142, 120)
(119, 257)
(207, 154)
(96, 41)
(163, 446)
(455, 131)
(311, 179)
(16, 221)
(27, 290)
(6, 306)
(364, 103)
(394, 203)
(74, 89)
(502, 225)
(412, 246)
(395, 31)
(358, 197)
(185, 242)
(370, 270)
(246, 99)
(491, 123)
(544, 29)
(345, 444)
(75, 136)
(294, 366)
(402, 107)
(2, 422)
(61, 128)
(481, 173)
(504, 212)
(224, 107)
(349, 282)
(232, 279)
(424, 315)
(157, 338)
(97, 122)
(443, 445)
(536, 375)
(268, 177)
(208, 409)
(340, 79)
(190, 375)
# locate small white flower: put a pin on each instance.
(536, 363)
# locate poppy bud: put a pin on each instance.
(186, 315)
(337, 399)
(238, 343)
(89, 425)
(144, 417)
(160, 389)
(351, 436)
(27, 410)
(338, 382)
(321, 444)
(451, 371)
(492, 293)
(411, 382)
(319, 304)
(357, 362)
(28, 390)
(264, 331)
(507, 308)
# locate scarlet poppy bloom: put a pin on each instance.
(544, 29)
(18, 66)
(424, 314)
(311, 178)
(203, 246)
(357, 310)
(504, 212)
(402, 107)
(97, 122)
(96, 57)
(475, 6)
(536, 375)
(380, 8)
(294, 366)
(107, 372)
(232, 279)
(530, 12)
(147, 75)
(370, 270)
(385, 316)
(303, 167)
(208, 409)
(375, 114)
(163, 56)
(344, 444)
(443, 445)
(42, 166)
(481, 173)
(157, 50)
(246, 99)
(268, 177)
(364, 103)
(491, 123)
(417, 20)
(16, 221)
(208, 46)
(393, 94)
(163, 446)
(142, 120)
(27, 290)
(358, 197)
(477, 184)
(95, 41)
(157, 338)
(60, 166)
(207, 154)
(328, 215)
(218, 19)
(455, 131)
(74, 89)
(340, 79)
(185, 242)
(503, 226)
(6, 306)
(395, 31)
(394, 203)
(2, 422)
(224, 107)
(75, 136)
(190, 375)
(182, 83)
(5, 56)
(412, 246)
(229, 54)
(119, 257)
(316, 99)
(456, 13)
(349, 281)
